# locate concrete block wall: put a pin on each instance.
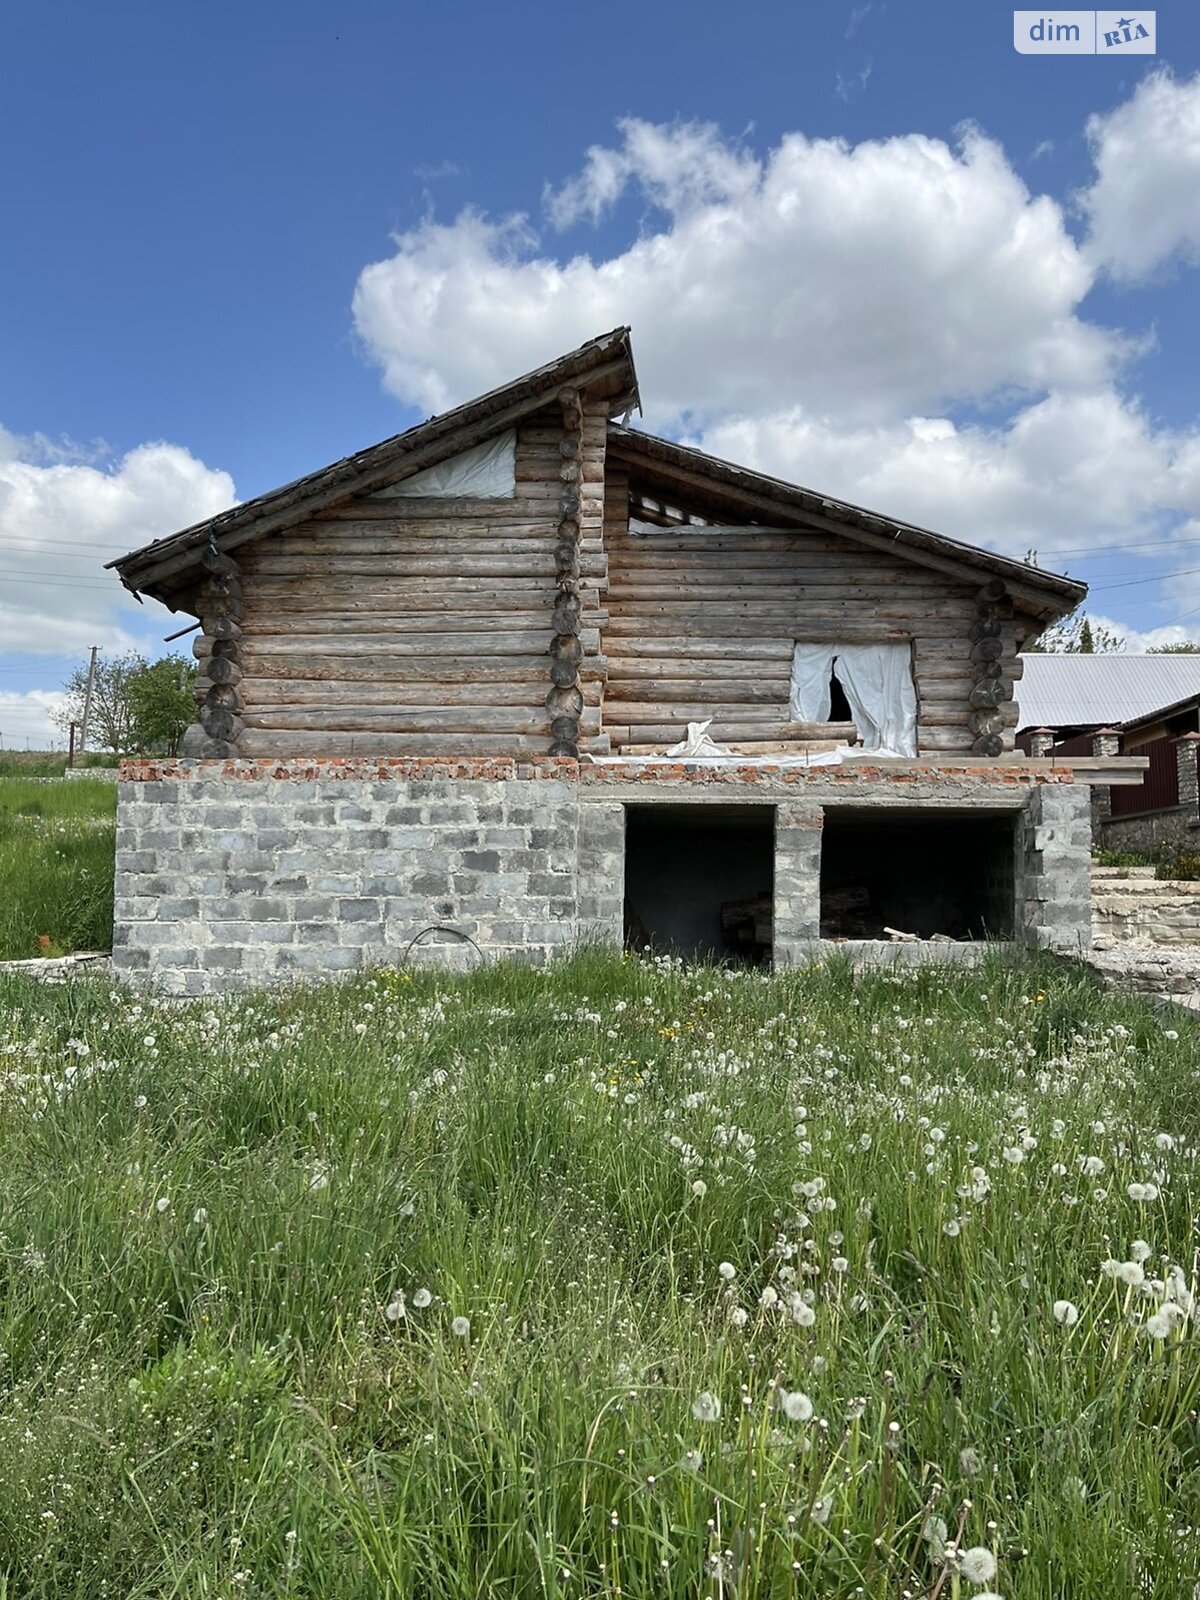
(226, 883)
(1054, 865)
(797, 882)
(248, 873)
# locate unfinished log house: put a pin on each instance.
(439, 682)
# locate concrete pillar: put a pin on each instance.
(601, 877)
(1041, 742)
(1054, 876)
(797, 881)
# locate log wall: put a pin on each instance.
(703, 625)
(423, 627)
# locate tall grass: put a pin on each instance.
(617, 1279)
(56, 866)
(48, 763)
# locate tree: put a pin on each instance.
(161, 704)
(1186, 647)
(1077, 635)
(110, 719)
(136, 704)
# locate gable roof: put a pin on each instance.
(603, 368)
(1046, 595)
(1105, 691)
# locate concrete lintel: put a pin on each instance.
(1101, 769)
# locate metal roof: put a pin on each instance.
(1070, 691)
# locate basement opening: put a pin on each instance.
(949, 875)
(699, 881)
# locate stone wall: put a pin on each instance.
(1134, 908)
(1150, 832)
(238, 873)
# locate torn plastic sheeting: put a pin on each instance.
(878, 682)
(812, 668)
(487, 471)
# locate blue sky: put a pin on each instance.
(867, 246)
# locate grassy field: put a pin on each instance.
(56, 865)
(46, 763)
(614, 1280)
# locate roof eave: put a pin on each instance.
(603, 366)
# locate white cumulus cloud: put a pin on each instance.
(899, 322)
(860, 281)
(26, 719)
(1072, 471)
(1144, 206)
(61, 519)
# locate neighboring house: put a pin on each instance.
(1105, 705)
(440, 678)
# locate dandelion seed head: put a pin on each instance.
(706, 1407)
(795, 1405)
(978, 1564)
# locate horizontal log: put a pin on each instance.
(400, 719)
(740, 691)
(752, 747)
(689, 625)
(349, 639)
(355, 594)
(651, 671)
(415, 670)
(724, 732)
(449, 562)
(261, 742)
(441, 508)
(954, 740)
(329, 694)
(720, 588)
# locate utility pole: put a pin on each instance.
(71, 746)
(87, 699)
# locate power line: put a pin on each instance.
(53, 581)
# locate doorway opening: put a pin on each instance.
(699, 881)
(929, 874)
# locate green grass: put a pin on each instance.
(47, 763)
(626, 1176)
(56, 866)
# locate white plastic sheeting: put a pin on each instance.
(812, 668)
(697, 742)
(822, 758)
(877, 680)
(487, 471)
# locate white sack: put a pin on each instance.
(812, 667)
(878, 682)
(487, 471)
